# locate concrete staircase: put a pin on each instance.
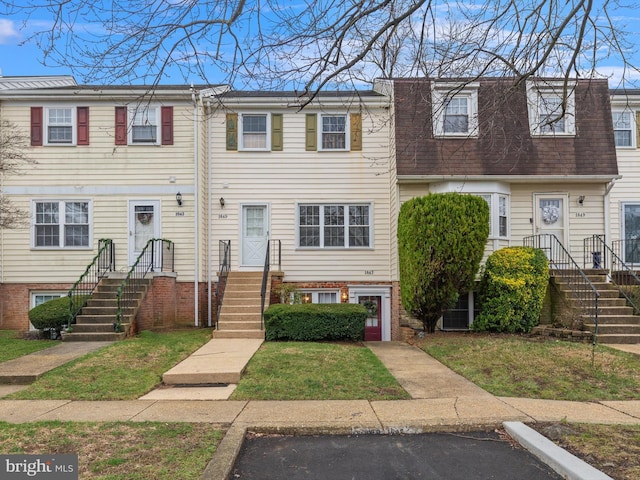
(240, 315)
(95, 323)
(616, 322)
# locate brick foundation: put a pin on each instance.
(15, 302)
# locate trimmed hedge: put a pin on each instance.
(313, 322)
(52, 314)
(512, 290)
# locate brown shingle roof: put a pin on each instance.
(504, 145)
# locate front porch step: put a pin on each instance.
(93, 337)
(97, 327)
(238, 334)
(240, 314)
(614, 329)
(617, 339)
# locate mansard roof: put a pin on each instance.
(504, 145)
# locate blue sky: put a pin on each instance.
(19, 57)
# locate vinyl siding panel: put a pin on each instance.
(625, 189)
(282, 180)
(109, 176)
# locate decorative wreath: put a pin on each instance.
(372, 307)
(550, 214)
(145, 218)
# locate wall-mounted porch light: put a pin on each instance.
(221, 202)
(581, 200)
(179, 199)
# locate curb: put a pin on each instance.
(566, 464)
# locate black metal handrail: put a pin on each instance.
(157, 255)
(563, 264)
(263, 289)
(619, 273)
(224, 265)
(103, 262)
(627, 249)
(276, 254)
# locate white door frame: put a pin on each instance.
(537, 220)
(384, 291)
(241, 246)
(157, 224)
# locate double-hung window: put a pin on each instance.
(334, 226)
(255, 128)
(551, 109)
(61, 224)
(319, 296)
(623, 128)
(60, 125)
(144, 125)
(333, 132)
(498, 214)
(455, 109)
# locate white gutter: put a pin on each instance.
(210, 220)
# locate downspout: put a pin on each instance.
(196, 215)
(210, 217)
(607, 211)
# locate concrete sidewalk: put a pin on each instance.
(441, 401)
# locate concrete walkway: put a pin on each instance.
(441, 401)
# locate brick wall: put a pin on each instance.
(15, 302)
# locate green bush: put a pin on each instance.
(313, 322)
(52, 314)
(441, 239)
(512, 290)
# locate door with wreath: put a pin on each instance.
(144, 224)
(373, 325)
(551, 217)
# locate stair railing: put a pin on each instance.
(103, 262)
(619, 273)
(157, 255)
(564, 266)
(276, 251)
(224, 266)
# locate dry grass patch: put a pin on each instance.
(131, 451)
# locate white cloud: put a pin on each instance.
(7, 31)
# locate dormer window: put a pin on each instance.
(455, 110)
(551, 109)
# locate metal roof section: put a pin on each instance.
(22, 83)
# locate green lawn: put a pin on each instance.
(124, 370)
(517, 366)
(316, 371)
(12, 346)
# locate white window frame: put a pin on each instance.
(43, 293)
(536, 95)
(315, 294)
(442, 94)
(47, 123)
(631, 129)
(242, 145)
(494, 200)
(345, 225)
(61, 225)
(347, 132)
(133, 112)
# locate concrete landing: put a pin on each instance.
(27, 369)
(220, 361)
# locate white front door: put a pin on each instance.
(631, 233)
(255, 235)
(144, 224)
(551, 216)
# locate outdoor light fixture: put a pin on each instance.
(179, 199)
(221, 202)
(581, 200)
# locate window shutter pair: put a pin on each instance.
(311, 132)
(277, 135)
(37, 126)
(166, 126)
